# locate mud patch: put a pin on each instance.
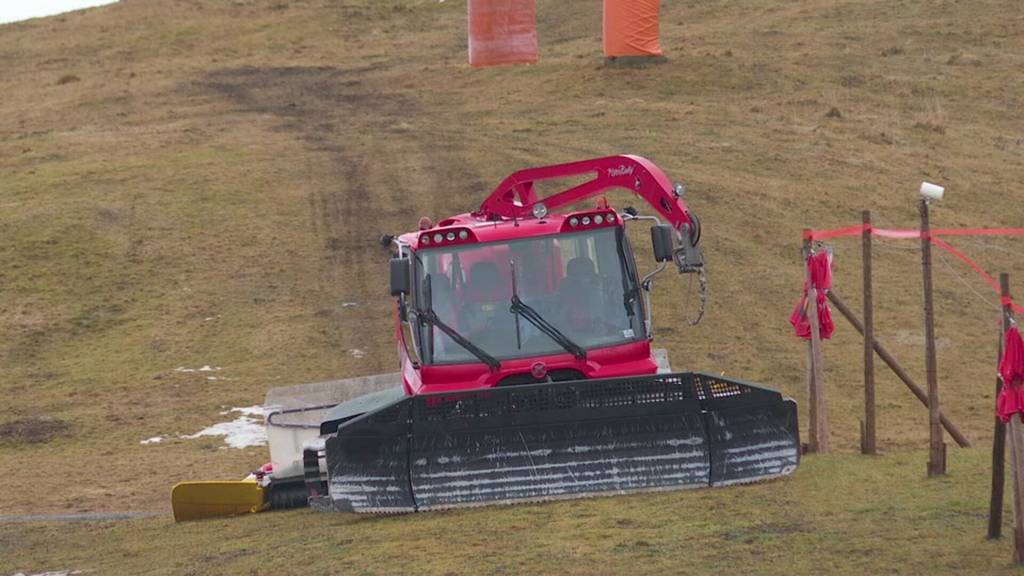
(318, 94)
(33, 430)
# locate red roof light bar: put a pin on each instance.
(449, 237)
(588, 220)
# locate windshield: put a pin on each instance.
(578, 282)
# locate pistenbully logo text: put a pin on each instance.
(622, 170)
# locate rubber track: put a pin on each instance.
(563, 497)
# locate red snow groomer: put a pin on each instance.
(526, 368)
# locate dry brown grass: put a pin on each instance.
(236, 160)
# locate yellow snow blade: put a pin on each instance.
(210, 499)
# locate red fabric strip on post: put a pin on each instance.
(820, 269)
(1011, 370)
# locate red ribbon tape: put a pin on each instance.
(933, 237)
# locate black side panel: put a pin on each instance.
(368, 462)
(557, 440)
(752, 431)
(358, 406)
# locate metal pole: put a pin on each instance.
(898, 370)
(936, 447)
(995, 507)
(868, 444)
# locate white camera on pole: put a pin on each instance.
(931, 192)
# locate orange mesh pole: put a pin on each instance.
(631, 28)
(502, 32)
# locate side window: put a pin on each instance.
(606, 256)
(409, 333)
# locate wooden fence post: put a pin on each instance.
(867, 442)
(995, 506)
(1016, 428)
(1017, 460)
(936, 447)
(817, 419)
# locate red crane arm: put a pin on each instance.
(515, 196)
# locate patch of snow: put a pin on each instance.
(153, 440)
(357, 353)
(242, 432)
(203, 368)
(251, 411)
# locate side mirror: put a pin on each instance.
(663, 239)
(400, 276)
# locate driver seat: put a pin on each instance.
(580, 293)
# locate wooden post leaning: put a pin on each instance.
(897, 369)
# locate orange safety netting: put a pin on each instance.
(502, 32)
(631, 28)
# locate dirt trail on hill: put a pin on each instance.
(354, 133)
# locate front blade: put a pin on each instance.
(561, 440)
(211, 499)
(556, 441)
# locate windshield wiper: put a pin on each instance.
(520, 308)
(429, 317)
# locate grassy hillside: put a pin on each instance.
(189, 183)
(835, 516)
